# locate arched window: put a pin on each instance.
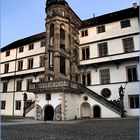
(62, 36)
(51, 34)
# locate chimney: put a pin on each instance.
(134, 5)
(93, 15)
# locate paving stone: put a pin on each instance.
(104, 129)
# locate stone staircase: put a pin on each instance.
(73, 87)
(100, 99)
(29, 107)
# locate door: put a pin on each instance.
(48, 113)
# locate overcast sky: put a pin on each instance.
(23, 18)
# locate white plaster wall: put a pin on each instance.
(27, 53)
(72, 106)
(8, 58)
(11, 67)
(112, 29)
(9, 104)
(42, 102)
(105, 112)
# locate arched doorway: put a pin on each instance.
(48, 113)
(96, 112)
(85, 110)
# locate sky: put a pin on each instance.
(23, 18)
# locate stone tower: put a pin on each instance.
(62, 47)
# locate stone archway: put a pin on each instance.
(96, 111)
(85, 110)
(48, 113)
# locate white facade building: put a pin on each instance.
(109, 57)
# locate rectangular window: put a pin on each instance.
(128, 44)
(41, 79)
(101, 29)
(85, 53)
(48, 97)
(30, 63)
(86, 79)
(125, 23)
(19, 85)
(43, 43)
(105, 76)
(62, 46)
(21, 49)
(51, 62)
(5, 86)
(51, 78)
(84, 33)
(6, 68)
(134, 101)
(62, 64)
(31, 46)
(20, 65)
(103, 49)
(18, 105)
(29, 81)
(3, 105)
(7, 53)
(131, 73)
(42, 61)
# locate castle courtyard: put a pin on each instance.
(83, 129)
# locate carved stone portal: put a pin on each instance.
(58, 113)
(38, 112)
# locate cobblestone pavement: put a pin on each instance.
(102, 129)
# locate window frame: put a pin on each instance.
(30, 63)
(101, 49)
(85, 55)
(18, 105)
(21, 49)
(5, 86)
(135, 105)
(105, 80)
(100, 29)
(43, 43)
(125, 23)
(7, 53)
(3, 104)
(84, 33)
(18, 85)
(51, 60)
(6, 68)
(20, 65)
(131, 67)
(48, 97)
(42, 60)
(127, 48)
(31, 46)
(87, 78)
(28, 81)
(62, 65)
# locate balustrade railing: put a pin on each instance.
(52, 84)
